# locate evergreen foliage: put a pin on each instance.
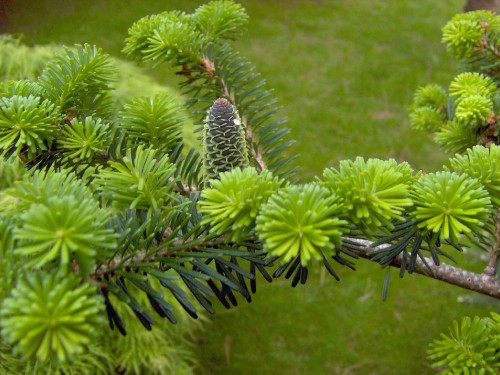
(448, 205)
(51, 315)
(375, 192)
(27, 122)
(106, 214)
(234, 201)
(155, 122)
(481, 163)
(467, 116)
(301, 222)
(473, 347)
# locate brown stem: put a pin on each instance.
(480, 283)
(184, 189)
(256, 154)
(123, 263)
(490, 270)
(492, 49)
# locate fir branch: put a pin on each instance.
(169, 249)
(480, 283)
(196, 43)
(182, 187)
(235, 79)
(255, 152)
(78, 82)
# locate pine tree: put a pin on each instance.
(109, 217)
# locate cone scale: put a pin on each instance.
(224, 144)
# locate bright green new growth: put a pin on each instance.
(44, 185)
(21, 62)
(470, 84)
(465, 34)
(22, 87)
(177, 37)
(196, 45)
(84, 140)
(473, 347)
(11, 170)
(140, 182)
(428, 110)
(224, 143)
(136, 224)
(60, 230)
(473, 109)
(301, 221)
(481, 163)
(426, 119)
(457, 137)
(51, 316)
(145, 34)
(375, 192)
(232, 203)
(220, 19)
(93, 360)
(78, 82)
(430, 95)
(155, 122)
(462, 36)
(27, 122)
(469, 117)
(57, 220)
(447, 205)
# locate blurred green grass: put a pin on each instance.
(345, 72)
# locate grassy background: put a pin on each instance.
(345, 72)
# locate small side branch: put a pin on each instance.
(492, 264)
(183, 188)
(480, 283)
(256, 154)
(170, 249)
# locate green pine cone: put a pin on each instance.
(224, 144)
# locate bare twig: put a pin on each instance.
(124, 263)
(256, 154)
(490, 270)
(183, 189)
(480, 283)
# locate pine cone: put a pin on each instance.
(224, 144)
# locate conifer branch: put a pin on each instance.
(255, 152)
(480, 283)
(251, 139)
(144, 256)
(113, 198)
(183, 188)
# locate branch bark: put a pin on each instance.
(480, 283)
(491, 269)
(256, 154)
